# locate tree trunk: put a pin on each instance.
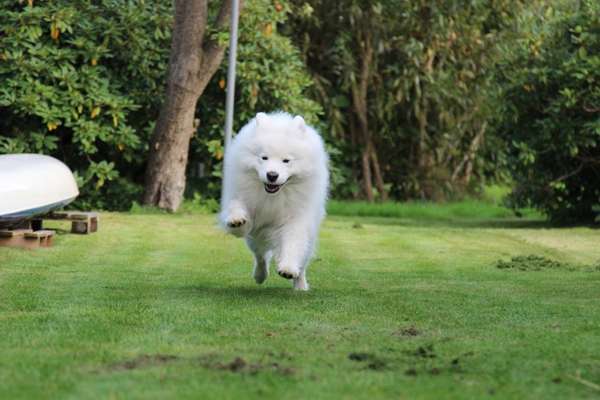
(355, 143)
(366, 171)
(359, 102)
(377, 172)
(193, 61)
(424, 157)
(466, 164)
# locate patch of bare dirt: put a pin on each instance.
(371, 361)
(427, 361)
(143, 361)
(424, 352)
(210, 361)
(409, 331)
(241, 365)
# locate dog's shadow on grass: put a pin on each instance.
(236, 293)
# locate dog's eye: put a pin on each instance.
(285, 160)
(265, 158)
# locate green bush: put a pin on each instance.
(552, 116)
(82, 81)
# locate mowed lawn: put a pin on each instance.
(160, 306)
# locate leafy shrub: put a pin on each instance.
(79, 81)
(552, 117)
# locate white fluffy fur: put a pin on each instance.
(283, 225)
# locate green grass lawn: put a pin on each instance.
(163, 306)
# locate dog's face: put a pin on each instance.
(281, 153)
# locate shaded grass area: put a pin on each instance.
(163, 306)
(463, 211)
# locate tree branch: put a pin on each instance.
(190, 24)
(224, 13)
(566, 176)
(470, 154)
(213, 52)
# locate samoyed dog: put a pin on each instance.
(274, 193)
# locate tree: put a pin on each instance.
(551, 118)
(195, 57)
(408, 88)
(349, 34)
(365, 20)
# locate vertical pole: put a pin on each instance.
(233, 38)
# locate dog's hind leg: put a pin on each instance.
(262, 259)
(300, 282)
(261, 268)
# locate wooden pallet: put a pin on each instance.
(26, 238)
(31, 235)
(81, 222)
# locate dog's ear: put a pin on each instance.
(299, 124)
(261, 119)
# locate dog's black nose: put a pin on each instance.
(272, 176)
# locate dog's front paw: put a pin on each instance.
(236, 222)
(288, 272)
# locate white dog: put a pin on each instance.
(274, 194)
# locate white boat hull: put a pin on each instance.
(33, 184)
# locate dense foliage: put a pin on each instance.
(422, 73)
(81, 81)
(552, 115)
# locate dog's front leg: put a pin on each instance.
(235, 219)
(292, 254)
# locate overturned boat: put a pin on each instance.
(33, 184)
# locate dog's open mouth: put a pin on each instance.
(272, 188)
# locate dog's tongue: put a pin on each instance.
(271, 188)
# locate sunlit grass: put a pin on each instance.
(163, 306)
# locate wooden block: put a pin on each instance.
(71, 215)
(14, 233)
(94, 222)
(39, 234)
(57, 215)
(41, 238)
(81, 222)
(82, 227)
(6, 234)
(85, 226)
(26, 238)
(79, 216)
